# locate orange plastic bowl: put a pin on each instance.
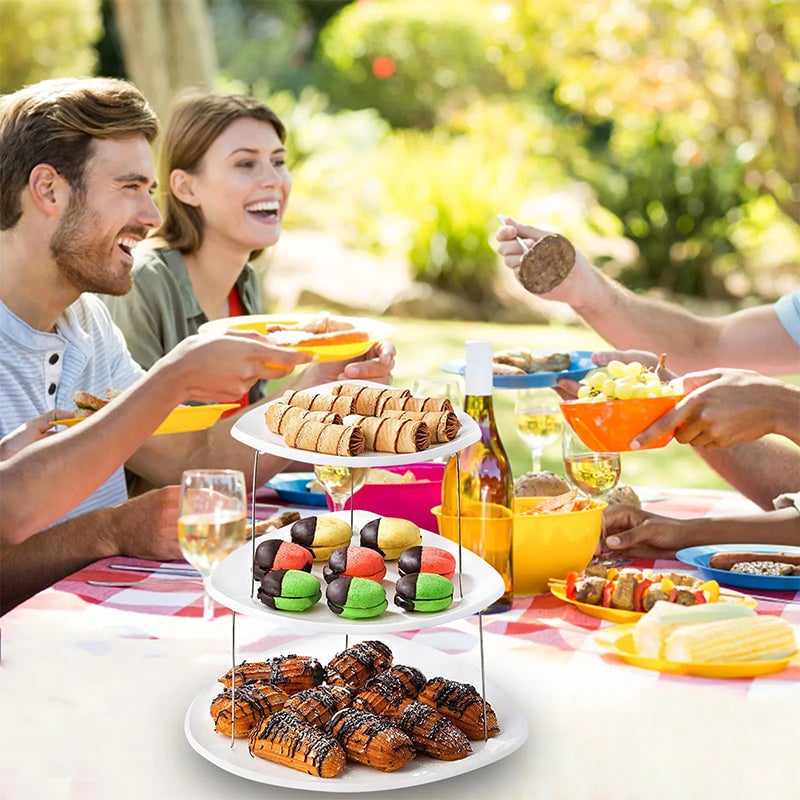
(609, 427)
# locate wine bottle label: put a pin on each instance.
(478, 368)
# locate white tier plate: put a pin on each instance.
(214, 747)
(231, 581)
(251, 429)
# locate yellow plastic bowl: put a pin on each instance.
(551, 545)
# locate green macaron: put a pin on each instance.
(289, 590)
(423, 591)
(356, 598)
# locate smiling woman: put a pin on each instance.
(225, 186)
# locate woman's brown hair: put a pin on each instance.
(197, 119)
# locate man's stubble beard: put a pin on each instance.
(82, 256)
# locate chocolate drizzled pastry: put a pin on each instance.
(250, 703)
(290, 673)
(462, 704)
(431, 732)
(354, 666)
(284, 738)
(372, 740)
(316, 706)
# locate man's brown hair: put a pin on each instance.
(55, 122)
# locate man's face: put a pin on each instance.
(93, 242)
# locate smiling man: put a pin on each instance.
(76, 176)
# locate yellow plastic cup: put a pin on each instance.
(487, 536)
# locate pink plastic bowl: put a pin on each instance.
(411, 501)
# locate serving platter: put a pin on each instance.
(481, 585)
(622, 616)
(216, 748)
(251, 429)
(180, 420)
(580, 365)
(378, 331)
(618, 639)
(291, 488)
(698, 557)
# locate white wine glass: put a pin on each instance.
(340, 483)
(538, 421)
(212, 520)
(594, 474)
(440, 386)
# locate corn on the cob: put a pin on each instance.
(653, 629)
(748, 639)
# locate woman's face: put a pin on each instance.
(242, 186)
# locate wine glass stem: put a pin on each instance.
(536, 458)
(208, 605)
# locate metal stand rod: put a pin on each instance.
(253, 536)
(233, 677)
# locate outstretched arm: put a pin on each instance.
(146, 527)
(753, 338)
(640, 534)
(729, 407)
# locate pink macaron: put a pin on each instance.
(427, 559)
(275, 554)
(355, 562)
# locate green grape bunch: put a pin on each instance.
(620, 381)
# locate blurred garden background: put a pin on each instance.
(661, 136)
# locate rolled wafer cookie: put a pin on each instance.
(317, 401)
(444, 425)
(389, 435)
(325, 437)
(352, 389)
(418, 404)
(368, 400)
(278, 416)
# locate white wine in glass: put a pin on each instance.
(594, 474)
(340, 483)
(538, 420)
(212, 520)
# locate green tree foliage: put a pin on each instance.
(46, 39)
(696, 103)
(408, 59)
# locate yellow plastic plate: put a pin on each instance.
(621, 615)
(179, 420)
(331, 352)
(618, 639)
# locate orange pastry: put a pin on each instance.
(462, 704)
(285, 739)
(431, 732)
(250, 704)
(354, 666)
(371, 740)
(290, 673)
(316, 706)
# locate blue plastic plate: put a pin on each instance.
(580, 364)
(699, 557)
(291, 488)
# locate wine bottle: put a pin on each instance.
(477, 480)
